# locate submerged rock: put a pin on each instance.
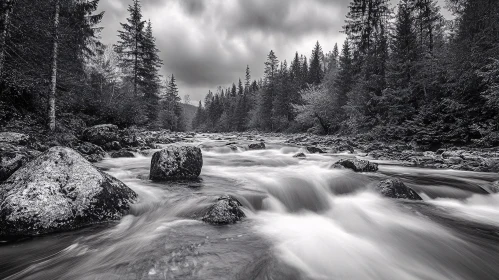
(122, 154)
(314, 150)
(60, 190)
(13, 157)
(101, 134)
(176, 163)
(300, 155)
(225, 211)
(357, 165)
(257, 146)
(394, 188)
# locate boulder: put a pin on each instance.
(257, 146)
(12, 157)
(494, 187)
(57, 191)
(176, 163)
(133, 141)
(101, 134)
(225, 211)
(122, 154)
(112, 146)
(394, 188)
(300, 155)
(15, 138)
(357, 165)
(453, 160)
(91, 152)
(314, 150)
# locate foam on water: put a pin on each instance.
(304, 220)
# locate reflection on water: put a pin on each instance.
(305, 221)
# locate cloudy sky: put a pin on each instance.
(207, 43)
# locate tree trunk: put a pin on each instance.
(53, 83)
(3, 35)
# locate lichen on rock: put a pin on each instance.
(176, 163)
(395, 188)
(60, 190)
(357, 165)
(227, 210)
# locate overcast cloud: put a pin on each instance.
(207, 43)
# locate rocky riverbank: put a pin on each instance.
(93, 143)
(409, 154)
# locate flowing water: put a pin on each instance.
(304, 221)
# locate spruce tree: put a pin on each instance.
(268, 93)
(130, 46)
(316, 73)
(150, 78)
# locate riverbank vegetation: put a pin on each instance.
(52, 64)
(403, 73)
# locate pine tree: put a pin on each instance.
(268, 93)
(247, 79)
(130, 47)
(199, 117)
(316, 73)
(151, 64)
(150, 78)
(304, 72)
(367, 30)
(399, 99)
(240, 88)
(172, 114)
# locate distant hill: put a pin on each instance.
(189, 112)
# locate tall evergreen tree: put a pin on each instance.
(316, 72)
(130, 47)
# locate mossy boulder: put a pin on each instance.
(57, 191)
(176, 163)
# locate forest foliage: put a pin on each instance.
(403, 72)
(118, 84)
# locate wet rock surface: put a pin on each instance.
(91, 152)
(101, 134)
(176, 163)
(299, 155)
(314, 150)
(395, 188)
(226, 210)
(122, 154)
(357, 165)
(257, 146)
(57, 191)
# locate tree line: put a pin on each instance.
(403, 72)
(53, 63)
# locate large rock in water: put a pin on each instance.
(60, 190)
(225, 211)
(314, 150)
(394, 188)
(176, 163)
(257, 146)
(101, 134)
(357, 165)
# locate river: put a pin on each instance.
(304, 221)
